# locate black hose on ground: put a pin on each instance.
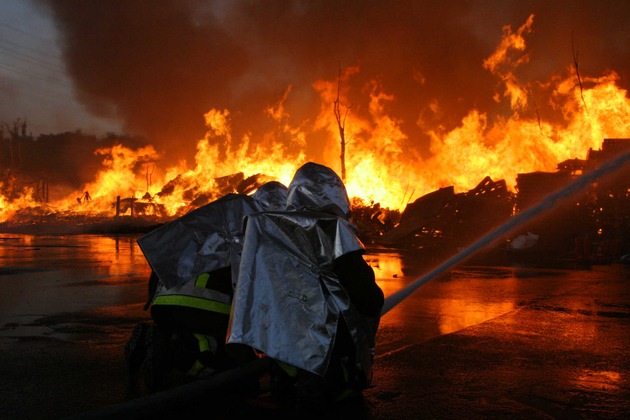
(156, 404)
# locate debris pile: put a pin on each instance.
(443, 221)
(372, 220)
(192, 194)
(593, 226)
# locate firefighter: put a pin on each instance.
(193, 260)
(305, 296)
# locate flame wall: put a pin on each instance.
(436, 93)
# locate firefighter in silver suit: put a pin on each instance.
(305, 296)
(194, 260)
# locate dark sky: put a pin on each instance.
(158, 66)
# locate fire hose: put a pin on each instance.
(154, 405)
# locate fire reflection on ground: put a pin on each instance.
(47, 275)
(114, 258)
(593, 380)
(449, 303)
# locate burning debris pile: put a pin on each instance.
(443, 221)
(593, 227)
(196, 197)
(439, 223)
(373, 221)
(390, 161)
(193, 195)
(128, 214)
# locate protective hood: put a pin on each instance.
(288, 301)
(201, 241)
(317, 187)
(271, 196)
(208, 238)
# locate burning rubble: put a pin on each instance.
(444, 221)
(476, 174)
(439, 222)
(594, 226)
(591, 227)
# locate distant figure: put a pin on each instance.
(84, 198)
(305, 296)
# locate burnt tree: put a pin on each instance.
(17, 135)
(341, 124)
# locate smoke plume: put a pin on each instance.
(160, 66)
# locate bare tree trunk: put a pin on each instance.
(577, 72)
(17, 134)
(10, 139)
(341, 124)
(149, 175)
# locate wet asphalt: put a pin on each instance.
(560, 355)
(565, 355)
(478, 343)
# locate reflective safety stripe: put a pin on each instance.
(195, 369)
(288, 369)
(204, 345)
(189, 289)
(193, 302)
(202, 280)
(348, 390)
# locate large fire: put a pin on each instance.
(379, 168)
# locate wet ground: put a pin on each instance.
(478, 342)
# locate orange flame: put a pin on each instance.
(381, 164)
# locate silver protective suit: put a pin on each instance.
(288, 301)
(206, 239)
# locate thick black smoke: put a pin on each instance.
(160, 65)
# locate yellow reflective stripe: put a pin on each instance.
(204, 345)
(193, 302)
(348, 391)
(288, 369)
(195, 369)
(191, 290)
(202, 280)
